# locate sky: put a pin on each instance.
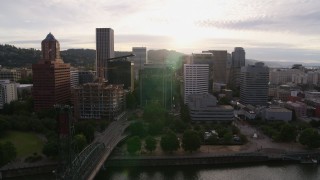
(268, 30)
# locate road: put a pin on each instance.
(110, 138)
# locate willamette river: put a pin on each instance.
(245, 172)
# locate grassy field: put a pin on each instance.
(26, 143)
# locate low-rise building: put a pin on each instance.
(203, 107)
(299, 108)
(277, 113)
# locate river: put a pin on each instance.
(235, 172)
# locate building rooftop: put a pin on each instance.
(50, 37)
(277, 109)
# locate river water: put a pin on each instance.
(233, 172)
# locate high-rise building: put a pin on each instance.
(139, 59)
(156, 85)
(8, 92)
(238, 61)
(74, 78)
(97, 100)
(51, 76)
(254, 84)
(104, 51)
(119, 72)
(205, 58)
(220, 58)
(196, 77)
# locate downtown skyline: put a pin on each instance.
(286, 30)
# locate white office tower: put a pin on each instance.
(196, 77)
(8, 92)
(254, 84)
(74, 78)
(139, 59)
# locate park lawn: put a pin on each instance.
(26, 143)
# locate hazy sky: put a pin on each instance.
(281, 30)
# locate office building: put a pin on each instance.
(12, 74)
(238, 60)
(74, 78)
(220, 58)
(87, 76)
(205, 58)
(204, 108)
(139, 59)
(156, 85)
(196, 77)
(8, 92)
(104, 51)
(254, 84)
(51, 76)
(120, 72)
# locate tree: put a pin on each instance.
(155, 127)
(227, 137)
(151, 143)
(4, 125)
(80, 142)
(287, 133)
(137, 129)
(190, 141)
(51, 148)
(133, 144)
(153, 112)
(310, 137)
(169, 142)
(185, 113)
(86, 128)
(8, 152)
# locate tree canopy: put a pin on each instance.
(151, 143)
(310, 137)
(190, 141)
(133, 144)
(8, 152)
(169, 142)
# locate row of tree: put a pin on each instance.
(169, 142)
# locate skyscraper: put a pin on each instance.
(196, 77)
(51, 76)
(139, 59)
(254, 84)
(205, 58)
(238, 61)
(220, 58)
(104, 50)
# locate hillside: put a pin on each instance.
(11, 56)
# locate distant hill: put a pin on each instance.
(79, 57)
(11, 56)
(163, 55)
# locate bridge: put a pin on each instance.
(91, 159)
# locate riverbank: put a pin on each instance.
(265, 155)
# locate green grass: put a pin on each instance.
(26, 143)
